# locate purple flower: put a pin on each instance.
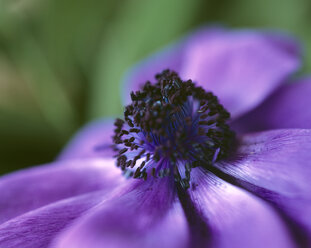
(249, 191)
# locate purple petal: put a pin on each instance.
(37, 228)
(233, 63)
(147, 216)
(276, 165)
(286, 108)
(228, 63)
(27, 190)
(235, 217)
(94, 140)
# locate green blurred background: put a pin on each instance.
(61, 61)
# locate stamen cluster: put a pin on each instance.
(170, 127)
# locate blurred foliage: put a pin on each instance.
(61, 62)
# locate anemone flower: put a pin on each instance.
(180, 172)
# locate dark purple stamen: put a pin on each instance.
(169, 128)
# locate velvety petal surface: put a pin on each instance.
(148, 215)
(29, 189)
(37, 228)
(94, 140)
(276, 165)
(288, 107)
(228, 63)
(234, 217)
(240, 67)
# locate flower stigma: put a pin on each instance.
(169, 128)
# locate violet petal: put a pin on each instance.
(37, 228)
(228, 63)
(29, 189)
(276, 165)
(93, 140)
(236, 62)
(235, 217)
(149, 215)
(286, 108)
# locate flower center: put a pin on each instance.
(169, 128)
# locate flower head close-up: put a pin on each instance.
(213, 150)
